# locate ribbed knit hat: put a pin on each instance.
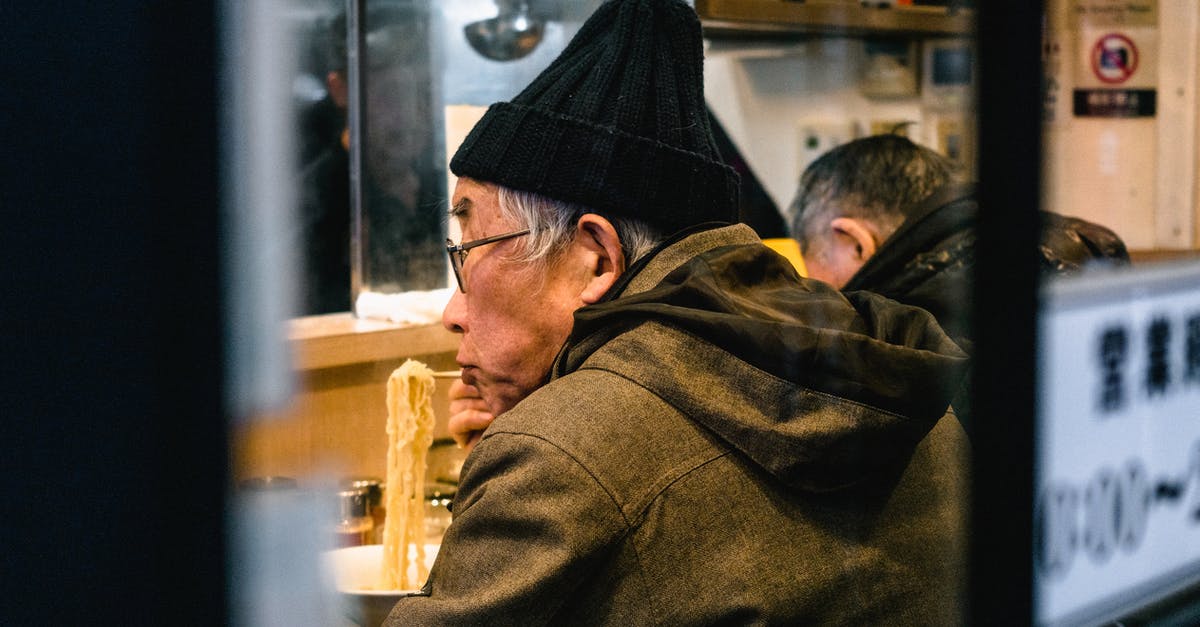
(616, 123)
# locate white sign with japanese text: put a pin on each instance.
(1117, 516)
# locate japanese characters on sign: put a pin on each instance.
(1117, 517)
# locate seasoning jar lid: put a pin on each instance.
(440, 490)
(353, 503)
(372, 485)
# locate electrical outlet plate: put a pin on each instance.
(818, 136)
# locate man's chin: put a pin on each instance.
(468, 376)
(500, 398)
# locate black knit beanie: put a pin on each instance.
(616, 123)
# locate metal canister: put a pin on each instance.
(374, 488)
(354, 524)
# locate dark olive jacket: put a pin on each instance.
(930, 260)
(720, 442)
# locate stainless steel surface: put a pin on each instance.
(512, 34)
(470, 78)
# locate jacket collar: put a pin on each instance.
(676, 250)
(945, 212)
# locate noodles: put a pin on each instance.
(410, 433)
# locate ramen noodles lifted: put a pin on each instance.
(409, 433)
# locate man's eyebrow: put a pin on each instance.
(461, 208)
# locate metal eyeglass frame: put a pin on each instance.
(458, 253)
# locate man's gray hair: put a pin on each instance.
(552, 226)
(881, 179)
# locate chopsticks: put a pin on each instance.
(448, 374)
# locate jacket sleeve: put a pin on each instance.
(529, 524)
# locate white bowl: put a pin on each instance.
(355, 572)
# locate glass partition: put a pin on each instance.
(372, 165)
(1115, 540)
(1086, 110)
(398, 164)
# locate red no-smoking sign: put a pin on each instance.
(1114, 58)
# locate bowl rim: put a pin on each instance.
(363, 548)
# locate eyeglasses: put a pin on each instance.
(458, 253)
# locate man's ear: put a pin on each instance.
(858, 233)
(599, 241)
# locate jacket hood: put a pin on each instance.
(819, 388)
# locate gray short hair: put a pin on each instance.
(880, 179)
(552, 223)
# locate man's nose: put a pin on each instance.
(454, 315)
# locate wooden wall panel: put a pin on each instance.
(334, 425)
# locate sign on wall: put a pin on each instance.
(1117, 516)
(1117, 58)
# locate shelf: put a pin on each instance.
(341, 339)
(778, 18)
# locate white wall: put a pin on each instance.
(768, 97)
(1134, 175)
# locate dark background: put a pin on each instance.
(114, 456)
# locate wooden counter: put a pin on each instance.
(334, 425)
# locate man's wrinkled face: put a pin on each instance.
(514, 316)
